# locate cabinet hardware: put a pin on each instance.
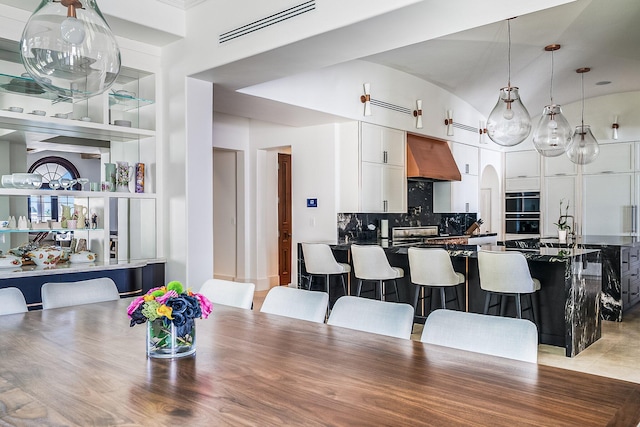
(385, 205)
(385, 157)
(466, 207)
(466, 168)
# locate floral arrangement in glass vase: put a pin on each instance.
(170, 312)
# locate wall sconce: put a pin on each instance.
(615, 127)
(449, 122)
(482, 129)
(366, 99)
(418, 114)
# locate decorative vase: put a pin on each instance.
(562, 235)
(122, 188)
(170, 341)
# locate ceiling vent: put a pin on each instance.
(265, 22)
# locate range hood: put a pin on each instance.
(430, 159)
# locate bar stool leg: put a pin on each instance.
(518, 306)
(443, 297)
(381, 288)
(359, 287)
(487, 302)
(395, 286)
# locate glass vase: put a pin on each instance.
(165, 340)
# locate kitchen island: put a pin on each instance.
(569, 298)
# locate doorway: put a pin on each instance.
(284, 218)
(225, 215)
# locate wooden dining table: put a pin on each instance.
(84, 366)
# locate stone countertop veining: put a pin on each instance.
(596, 240)
(544, 254)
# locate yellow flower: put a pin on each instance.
(163, 310)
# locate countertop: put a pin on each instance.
(597, 240)
(67, 267)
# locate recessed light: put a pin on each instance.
(603, 82)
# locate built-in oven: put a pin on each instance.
(522, 213)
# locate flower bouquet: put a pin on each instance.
(170, 313)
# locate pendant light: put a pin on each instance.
(509, 122)
(69, 49)
(584, 148)
(552, 136)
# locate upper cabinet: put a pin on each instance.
(382, 145)
(522, 164)
(466, 157)
(372, 169)
(613, 158)
(559, 166)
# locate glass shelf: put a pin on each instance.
(126, 102)
(22, 85)
(59, 230)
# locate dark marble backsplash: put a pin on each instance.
(420, 213)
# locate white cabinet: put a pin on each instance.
(456, 196)
(379, 144)
(466, 157)
(609, 204)
(522, 164)
(559, 166)
(613, 158)
(558, 188)
(459, 196)
(372, 169)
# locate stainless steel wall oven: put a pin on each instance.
(522, 213)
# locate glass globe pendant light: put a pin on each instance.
(552, 135)
(583, 148)
(509, 122)
(68, 48)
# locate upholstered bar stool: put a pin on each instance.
(319, 261)
(431, 268)
(507, 274)
(370, 264)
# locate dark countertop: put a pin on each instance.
(598, 240)
(544, 254)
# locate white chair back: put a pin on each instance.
(226, 292)
(480, 333)
(296, 303)
(12, 301)
(432, 267)
(368, 315)
(64, 294)
(371, 263)
(318, 259)
(506, 272)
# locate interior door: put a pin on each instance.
(284, 218)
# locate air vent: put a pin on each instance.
(392, 107)
(465, 127)
(263, 23)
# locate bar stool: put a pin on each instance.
(507, 274)
(319, 261)
(432, 268)
(370, 264)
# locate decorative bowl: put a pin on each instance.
(126, 123)
(10, 261)
(45, 256)
(39, 112)
(16, 109)
(82, 257)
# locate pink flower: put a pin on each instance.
(163, 299)
(205, 305)
(134, 305)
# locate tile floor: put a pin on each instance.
(616, 354)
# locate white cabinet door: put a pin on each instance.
(608, 201)
(558, 166)
(371, 187)
(456, 196)
(522, 164)
(383, 188)
(466, 157)
(380, 144)
(395, 189)
(613, 158)
(557, 188)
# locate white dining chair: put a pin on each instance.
(12, 301)
(379, 317)
(226, 292)
(319, 261)
(507, 274)
(296, 303)
(480, 333)
(64, 294)
(370, 264)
